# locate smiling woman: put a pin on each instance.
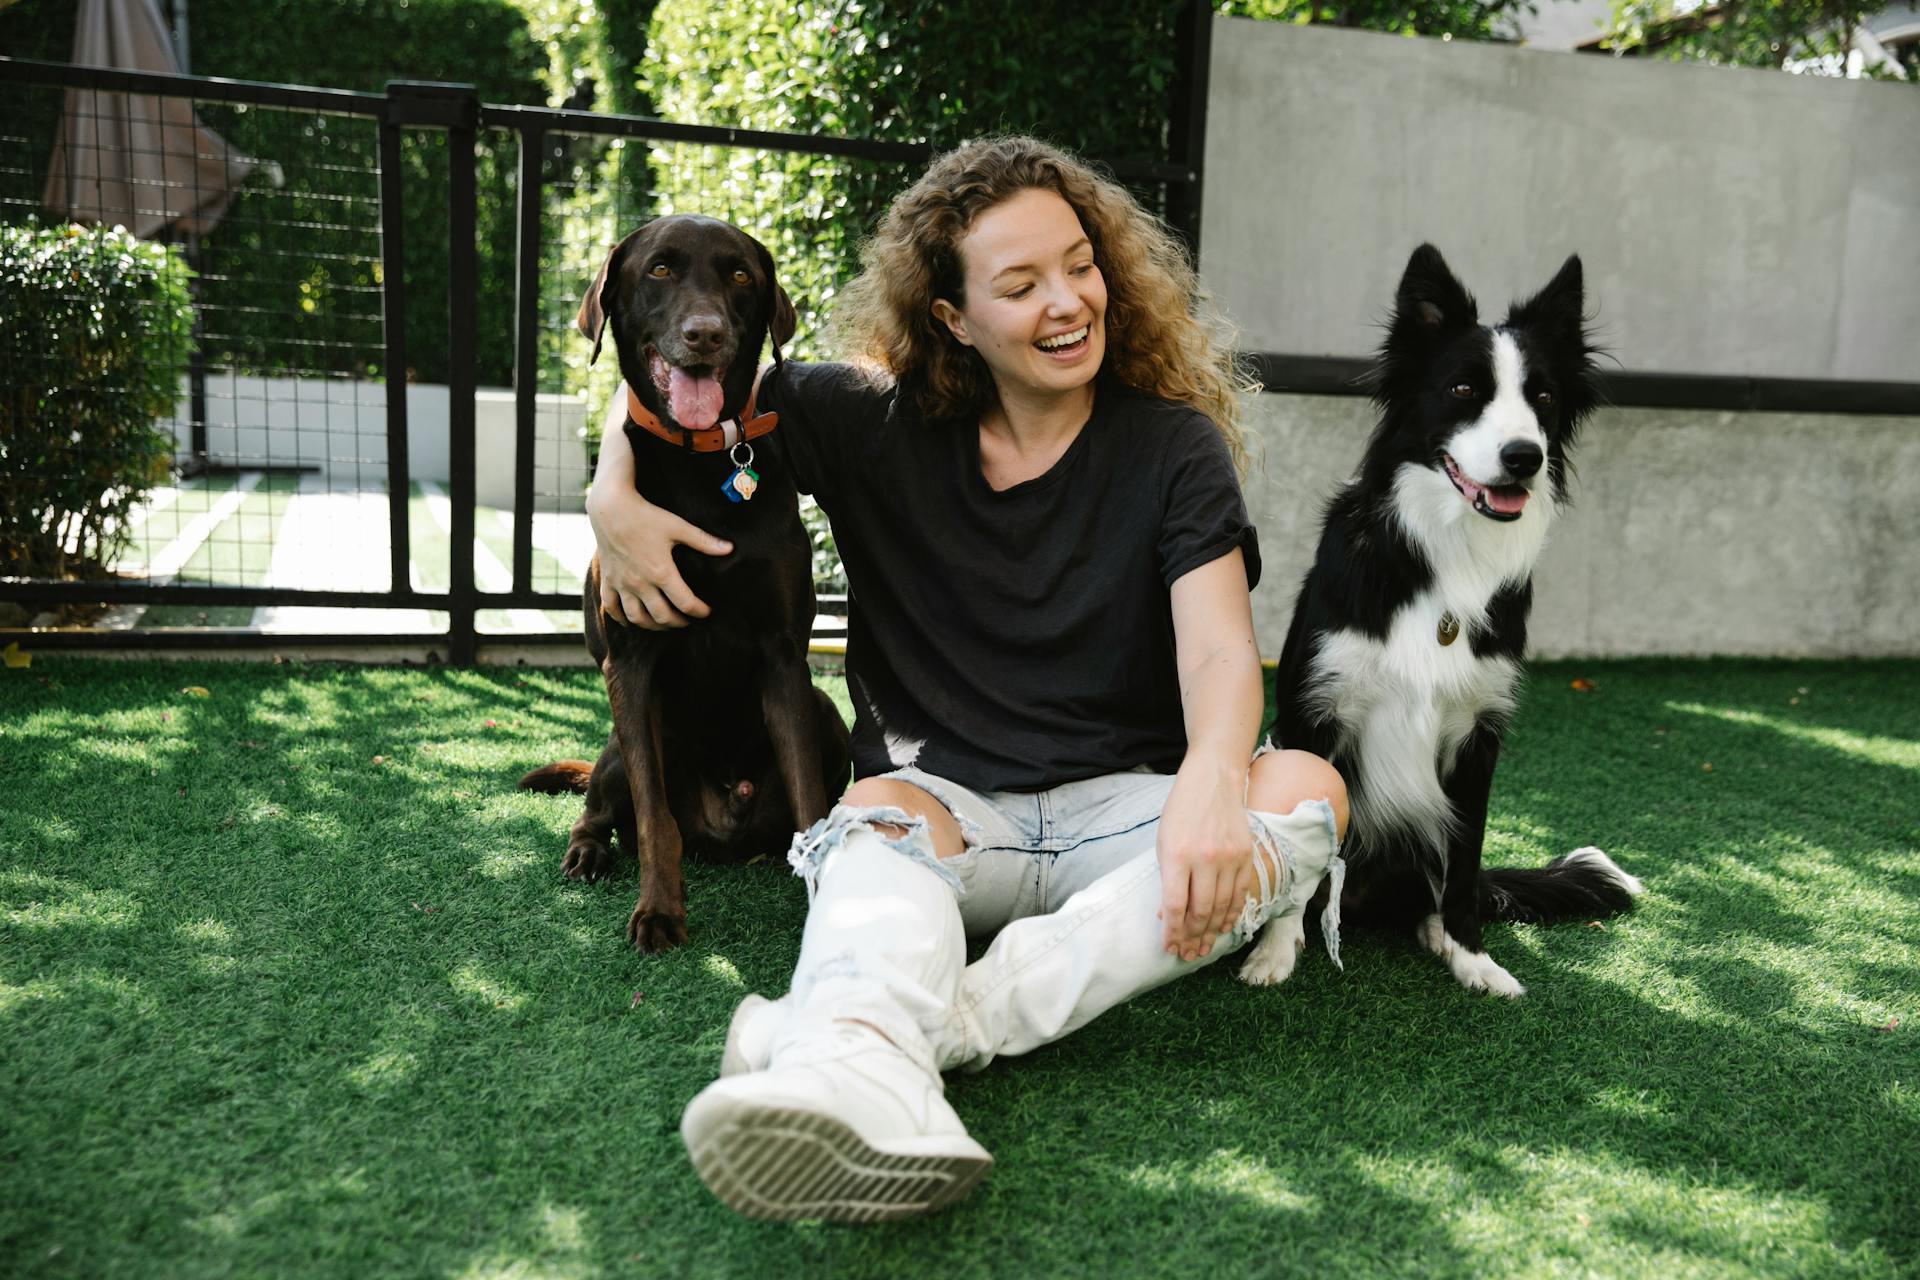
(1031, 478)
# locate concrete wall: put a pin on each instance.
(340, 427)
(1690, 532)
(1731, 221)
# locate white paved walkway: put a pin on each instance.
(334, 542)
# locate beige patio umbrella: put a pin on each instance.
(137, 160)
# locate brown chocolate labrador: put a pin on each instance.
(721, 745)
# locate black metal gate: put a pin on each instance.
(306, 387)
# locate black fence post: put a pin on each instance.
(393, 309)
(1187, 123)
(455, 108)
(462, 326)
(526, 366)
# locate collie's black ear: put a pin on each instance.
(781, 320)
(1559, 308)
(1429, 298)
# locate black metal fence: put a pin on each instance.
(337, 470)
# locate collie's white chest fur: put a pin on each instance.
(1404, 706)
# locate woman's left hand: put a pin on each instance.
(1206, 856)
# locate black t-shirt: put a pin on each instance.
(1018, 639)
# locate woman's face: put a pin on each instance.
(1036, 303)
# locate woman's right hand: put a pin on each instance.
(639, 583)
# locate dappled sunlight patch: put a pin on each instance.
(556, 1250)
(1636, 1104)
(384, 1070)
(110, 988)
(565, 1226)
(230, 1225)
(119, 750)
(206, 930)
(49, 829)
(61, 905)
(503, 863)
(720, 967)
(1650, 980)
(1517, 840)
(1230, 1172)
(1514, 1210)
(469, 980)
(1876, 748)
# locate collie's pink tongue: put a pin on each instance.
(695, 401)
(1507, 502)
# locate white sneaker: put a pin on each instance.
(750, 1036)
(845, 1128)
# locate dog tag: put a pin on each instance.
(740, 486)
(1449, 629)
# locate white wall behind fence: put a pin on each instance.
(1692, 532)
(338, 427)
(1731, 221)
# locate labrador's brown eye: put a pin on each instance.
(1461, 391)
(658, 271)
(741, 277)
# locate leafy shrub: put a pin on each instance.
(98, 332)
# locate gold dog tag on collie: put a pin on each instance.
(1449, 629)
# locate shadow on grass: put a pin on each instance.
(325, 1015)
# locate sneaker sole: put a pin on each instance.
(788, 1165)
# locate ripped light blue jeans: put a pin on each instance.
(1067, 883)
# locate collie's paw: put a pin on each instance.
(1277, 951)
(1478, 971)
(1475, 970)
(1432, 934)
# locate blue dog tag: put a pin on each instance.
(740, 485)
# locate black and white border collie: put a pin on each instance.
(1403, 661)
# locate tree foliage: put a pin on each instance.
(1462, 19)
(1802, 35)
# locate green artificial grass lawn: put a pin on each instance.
(290, 984)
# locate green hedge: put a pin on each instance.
(96, 340)
(889, 69)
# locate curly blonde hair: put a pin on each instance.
(1164, 336)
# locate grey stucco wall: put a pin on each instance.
(1691, 533)
(1731, 221)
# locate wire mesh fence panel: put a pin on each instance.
(252, 342)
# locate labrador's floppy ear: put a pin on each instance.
(780, 317)
(592, 317)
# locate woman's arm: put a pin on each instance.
(1205, 844)
(639, 582)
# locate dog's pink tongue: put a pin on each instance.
(1507, 501)
(695, 401)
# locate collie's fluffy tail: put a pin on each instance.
(563, 775)
(1578, 885)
